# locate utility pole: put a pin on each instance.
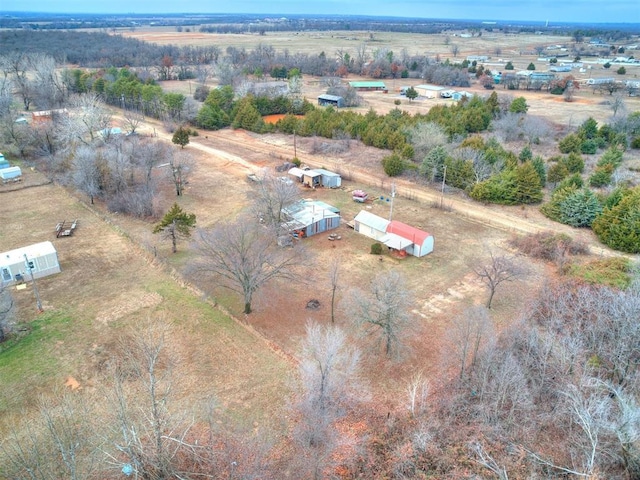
(393, 195)
(444, 177)
(295, 150)
(33, 280)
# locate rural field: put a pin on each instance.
(118, 277)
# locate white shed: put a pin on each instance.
(296, 173)
(40, 259)
(370, 225)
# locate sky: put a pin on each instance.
(592, 11)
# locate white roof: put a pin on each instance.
(395, 241)
(311, 173)
(298, 172)
(435, 88)
(371, 220)
(32, 251)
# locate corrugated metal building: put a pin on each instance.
(310, 217)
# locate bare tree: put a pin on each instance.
(468, 332)
(535, 129)
(132, 120)
(417, 391)
(59, 443)
(90, 116)
(85, 173)
(271, 195)
(384, 311)
(334, 278)
(455, 49)
(424, 137)
(245, 255)
(331, 385)
(496, 271)
(180, 166)
(150, 438)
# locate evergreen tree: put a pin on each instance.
(247, 115)
(538, 164)
(528, 186)
(411, 94)
(181, 137)
(176, 224)
(619, 226)
(580, 208)
(519, 105)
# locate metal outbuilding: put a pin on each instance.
(329, 179)
(40, 259)
(310, 217)
(10, 173)
(330, 100)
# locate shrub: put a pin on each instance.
(621, 71)
(548, 245)
(612, 272)
(589, 147)
(296, 161)
(635, 142)
(619, 226)
(574, 163)
(601, 176)
(376, 249)
(570, 143)
(393, 165)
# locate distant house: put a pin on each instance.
(330, 100)
(370, 225)
(369, 86)
(477, 58)
(310, 217)
(329, 179)
(40, 259)
(428, 91)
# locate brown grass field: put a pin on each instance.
(116, 273)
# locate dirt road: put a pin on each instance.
(240, 153)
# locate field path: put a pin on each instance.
(229, 150)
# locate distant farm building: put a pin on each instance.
(329, 179)
(428, 91)
(41, 260)
(395, 235)
(47, 115)
(325, 100)
(477, 58)
(369, 86)
(310, 217)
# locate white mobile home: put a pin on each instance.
(370, 225)
(40, 259)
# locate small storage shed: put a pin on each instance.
(10, 173)
(370, 225)
(311, 178)
(329, 179)
(330, 100)
(428, 91)
(310, 217)
(296, 173)
(42, 258)
(4, 163)
(420, 242)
